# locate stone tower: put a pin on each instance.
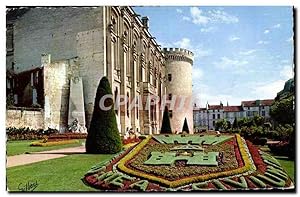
(179, 85)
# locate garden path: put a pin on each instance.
(34, 157)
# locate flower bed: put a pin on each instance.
(241, 166)
(66, 136)
(13, 133)
(53, 143)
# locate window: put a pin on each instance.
(219, 116)
(263, 107)
(170, 113)
(116, 101)
(137, 109)
(263, 113)
(127, 108)
(170, 77)
(213, 123)
(214, 116)
(170, 96)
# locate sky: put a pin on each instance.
(241, 53)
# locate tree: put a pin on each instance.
(235, 123)
(221, 124)
(166, 125)
(228, 125)
(185, 126)
(103, 135)
(282, 111)
(259, 120)
(247, 122)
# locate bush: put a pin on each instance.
(103, 135)
(235, 123)
(166, 125)
(281, 148)
(259, 141)
(13, 133)
(185, 126)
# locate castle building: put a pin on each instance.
(57, 56)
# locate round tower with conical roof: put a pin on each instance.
(179, 86)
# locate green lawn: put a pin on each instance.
(23, 146)
(63, 174)
(288, 165)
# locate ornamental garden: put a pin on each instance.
(190, 163)
(179, 162)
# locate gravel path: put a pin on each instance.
(18, 160)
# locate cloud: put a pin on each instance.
(233, 38)
(183, 43)
(178, 10)
(202, 94)
(286, 72)
(185, 18)
(197, 73)
(276, 26)
(266, 31)
(267, 90)
(226, 63)
(222, 16)
(291, 39)
(262, 42)
(249, 52)
(199, 17)
(285, 61)
(207, 30)
(198, 50)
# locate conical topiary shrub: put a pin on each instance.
(103, 135)
(185, 126)
(235, 124)
(166, 125)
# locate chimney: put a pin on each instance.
(145, 21)
(45, 58)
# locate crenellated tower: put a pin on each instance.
(179, 85)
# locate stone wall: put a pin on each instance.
(65, 33)
(25, 118)
(91, 53)
(52, 31)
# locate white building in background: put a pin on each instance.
(257, 107)
(215, 113)
(232, 112)
(200, 118)
(206, 118)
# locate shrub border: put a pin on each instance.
(244, 155)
